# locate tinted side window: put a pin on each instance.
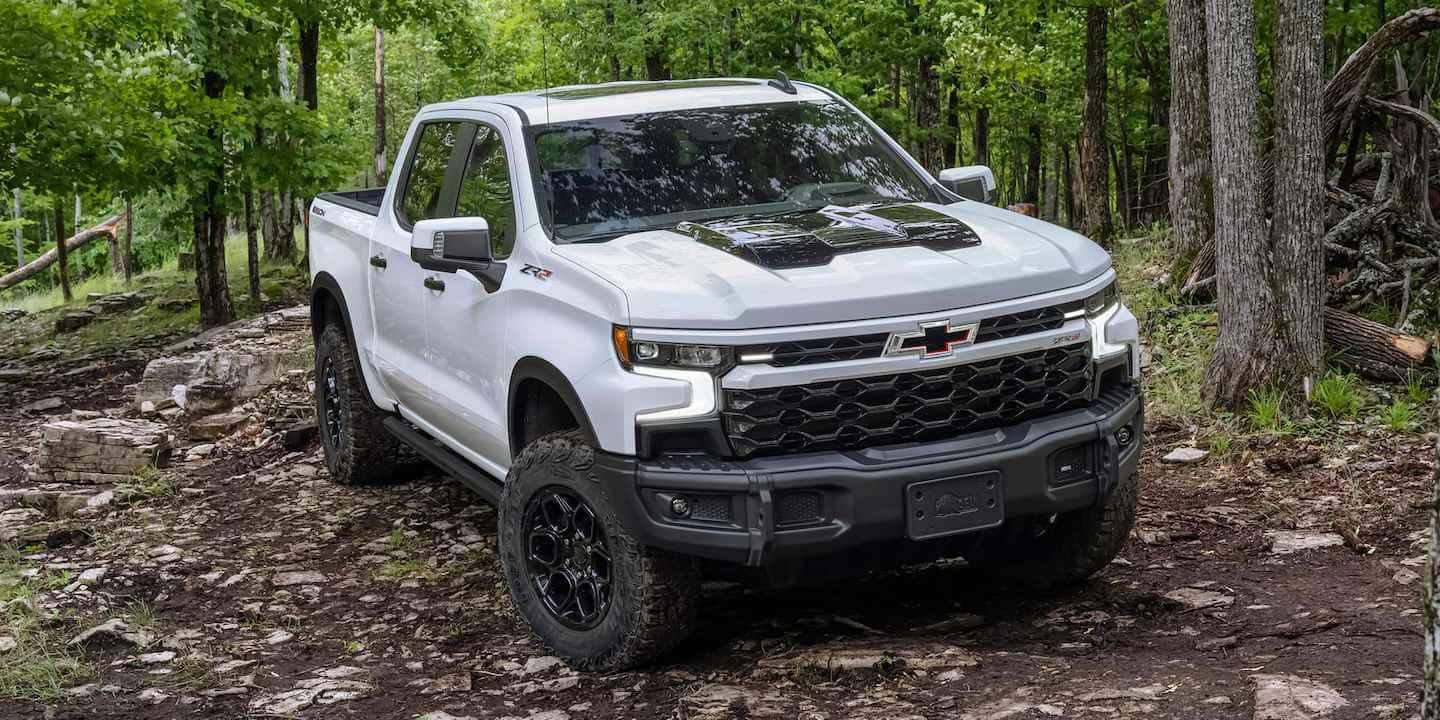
(427, 172)
(485, 190)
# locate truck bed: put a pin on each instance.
(366, 200)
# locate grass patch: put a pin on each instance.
(1399, 416)
(42, 665)
(1267, 411)
(152, 484)
(1338, 394)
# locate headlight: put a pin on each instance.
(630, 352)
(1097, 304)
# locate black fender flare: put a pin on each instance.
(534, 368)
(326, 284)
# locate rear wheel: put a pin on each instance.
(596, 597)
(1055, 551)
(358, 449)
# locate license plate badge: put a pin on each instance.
(947, 506)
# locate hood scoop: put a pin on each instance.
(812, 238)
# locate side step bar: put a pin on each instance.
(446, 459)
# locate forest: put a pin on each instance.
(1266, 174)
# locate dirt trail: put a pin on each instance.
(283, 595)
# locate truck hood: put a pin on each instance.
(837, 264)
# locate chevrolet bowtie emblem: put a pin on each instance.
(935, 339)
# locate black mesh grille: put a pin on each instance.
(861, 347)
(917, 406)
(797, 508)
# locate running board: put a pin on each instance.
(446, 459)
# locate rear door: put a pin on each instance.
(467, 324)
(398, 293)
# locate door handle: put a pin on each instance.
(378, 261)
(435, 284)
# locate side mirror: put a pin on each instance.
(973, 182)
(454, 244)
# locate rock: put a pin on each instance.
(114, 633)
(871, 654)
(1284, 542)
(1200, 599)
(1405, 576)
(454, 682)
(230, 666)
(199, 452)
(540, 664)
(1185, 455)
(340, 672)
(1289, 697)
(239, 376)
(214, 427)
(154, 696)
(278, 637)
(442, 715)
(72, 504)
(102, 450)
(7, 644)
(300, 435)
(90, 577)
(721, 702)
(312, 691)
(1148, 693)
(301, 577)
(72, 321)
(12, 314)
(45, 405)
(1219, 643)
(156, 658)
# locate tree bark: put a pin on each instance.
(1298, 220)
(1036, 159)
(62, 253)
(1094, 160)
(127, 244)
(19, 232)
(927, 115)
(380, 169)
(1050, 196)
(981, 136)
(1191, 184)
(73, 243)
(252, 245)
(1373, 350)
(1245, 354)
(310, 62)
(211, 284)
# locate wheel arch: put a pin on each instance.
(327, 304)
(531, 375)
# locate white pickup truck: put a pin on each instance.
(684, 326)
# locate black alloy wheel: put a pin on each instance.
(567, 557)
(334, 419)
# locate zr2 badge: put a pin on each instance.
(536, 271)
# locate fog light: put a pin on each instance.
(1124, 435)
(680, 506)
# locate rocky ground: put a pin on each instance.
(1278, 582)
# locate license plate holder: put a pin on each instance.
(951, 505)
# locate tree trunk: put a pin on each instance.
(1036, 159)
(310, 62)
(127, 243)
(952, 127)
(73, 243)
(982, 136)
(1298, 221)
(927, 115)
(1071, 211)
(1094, 163)
(211, 285)
(1050, 197)
(1191, 185)
(615, 57)
(380, 170)
(62, 253)
(1247, 349)
(19, 232)
(252, 245)
(1373, 350)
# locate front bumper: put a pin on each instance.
(774, 511)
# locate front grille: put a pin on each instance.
(864, 347)
(908, 407)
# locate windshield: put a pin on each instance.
(609, 176)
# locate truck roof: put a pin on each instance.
(583, 102)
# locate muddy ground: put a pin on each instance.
(398, 607)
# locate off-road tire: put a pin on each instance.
(653, 594)
(1049, 554)
(365, 454)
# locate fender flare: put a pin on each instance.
(325, 283)
(534, 368)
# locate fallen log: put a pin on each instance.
(105, 229)
(1373, 350)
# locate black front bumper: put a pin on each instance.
(784, 510)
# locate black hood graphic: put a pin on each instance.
(809, 238)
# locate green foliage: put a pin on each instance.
(1399, 416)
(1267, 411)
(1338, 394)
(1416, 391)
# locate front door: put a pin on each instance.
(398, 283)
(467, 325)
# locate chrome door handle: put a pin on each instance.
(435, 284)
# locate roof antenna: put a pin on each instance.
(783, 84)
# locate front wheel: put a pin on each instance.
(596, 597)
(1056, 551)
